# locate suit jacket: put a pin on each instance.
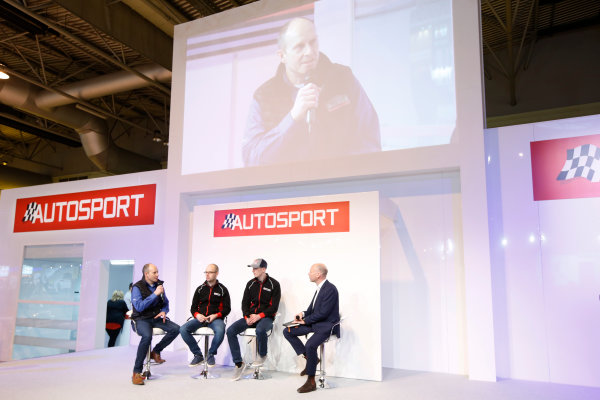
(326, 311)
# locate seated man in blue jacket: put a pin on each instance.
(150, 308)
(322, 314)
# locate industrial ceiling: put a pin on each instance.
(94, 76)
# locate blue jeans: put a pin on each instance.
(144, 329)
(263, 326)
(218, 326)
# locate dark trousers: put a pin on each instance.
(310, 348)
(144, 329)
(112, 336)
(263, 326)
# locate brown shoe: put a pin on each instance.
(156, 357)
(304, 370)
(309, 386)
(137, 379)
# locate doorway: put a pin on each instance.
(120, 276)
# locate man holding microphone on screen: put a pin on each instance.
(311, 109)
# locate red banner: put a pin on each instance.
(133, 205)
(283, 220)
(566, 168)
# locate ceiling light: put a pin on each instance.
(3, 75)
(156, 138)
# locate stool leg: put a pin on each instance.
(146, 371)
(204, 372)
(322, 365)
(205, 362)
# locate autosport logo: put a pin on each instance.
(133, 205)
(283, 220)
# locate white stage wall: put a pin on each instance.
(545, 254)
(139, 243)
(353, 262)
(443, 322)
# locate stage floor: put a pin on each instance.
(106, 374)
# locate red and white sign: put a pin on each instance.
(132, 205)
(549, 158)
(283, 220)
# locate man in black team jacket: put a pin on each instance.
(259, 307)
(210, 305)
(150, 308)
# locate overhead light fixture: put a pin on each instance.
(3, 75)
(122, 262)
(156, 138)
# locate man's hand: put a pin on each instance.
(254, 318)
(159, 290)
(201, 318)
(211, 318)
(307, 98)
(162, 315)
(299, 318)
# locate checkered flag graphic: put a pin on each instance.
(29, 213)
(582, 161)
(229, 220)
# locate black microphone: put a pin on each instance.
(160, 283)
(311, 113)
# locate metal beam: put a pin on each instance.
(126, 26)
(14, 122)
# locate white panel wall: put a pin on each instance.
(447, 317)
(139, 243)
(353, 262)
(545, 256)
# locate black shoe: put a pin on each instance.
(197, 360)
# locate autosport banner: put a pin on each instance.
(125, 206)
(283, 220)
(567, 168)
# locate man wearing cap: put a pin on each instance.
(259, 306)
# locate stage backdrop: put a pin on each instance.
(288, 242)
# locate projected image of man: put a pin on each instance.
(311, 109)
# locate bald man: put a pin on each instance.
(311, 109)
(150, 308)
(319, 319)
(210, 305)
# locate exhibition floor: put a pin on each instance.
(106, 373)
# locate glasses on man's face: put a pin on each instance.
(210, 272)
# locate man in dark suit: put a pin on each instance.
(322, 314)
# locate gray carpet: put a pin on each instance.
(106, 374)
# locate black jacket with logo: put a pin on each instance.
(261, 297)
(209, 300)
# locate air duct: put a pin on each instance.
(93, 130)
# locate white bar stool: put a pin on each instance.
(323, 383)
(251, 334)
(204, 332)
(155, 332)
